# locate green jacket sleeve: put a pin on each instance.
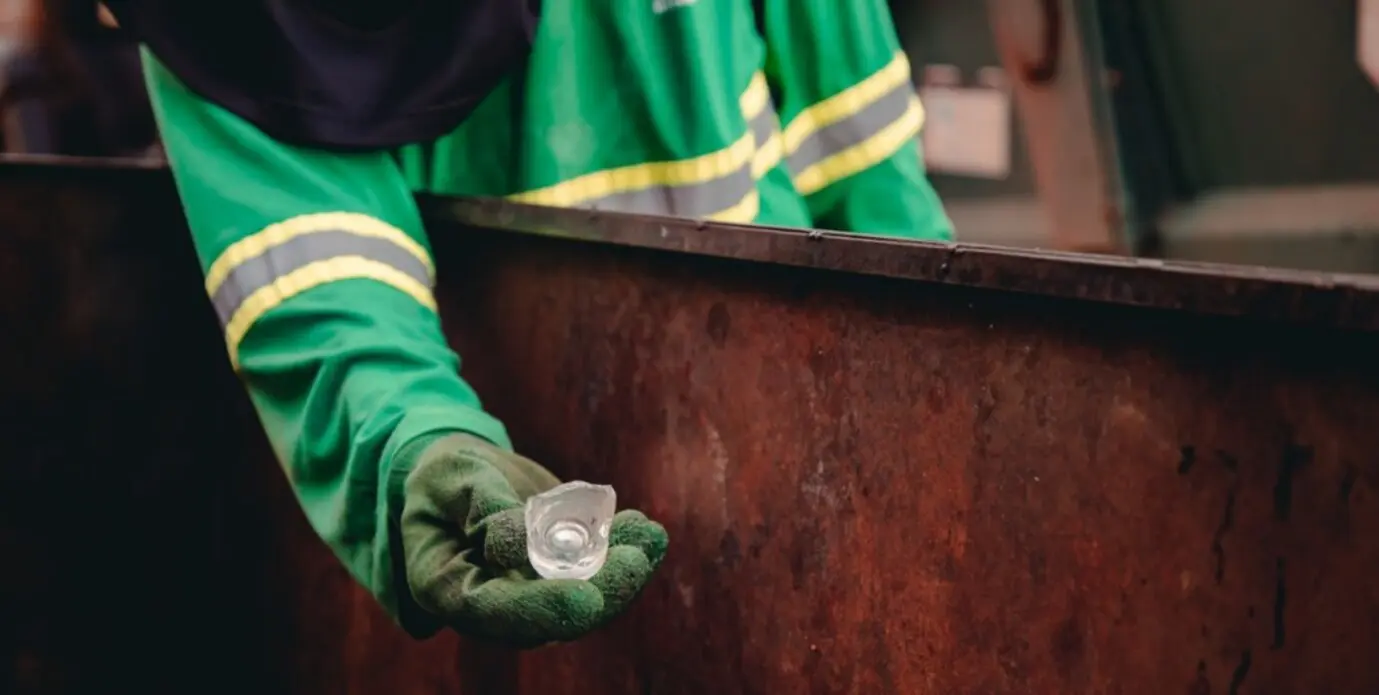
(321, 274)
(850, 117)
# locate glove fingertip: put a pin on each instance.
(622, 578)
(628, 517)
(626, 568)
(636, 530)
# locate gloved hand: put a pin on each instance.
(465, 545)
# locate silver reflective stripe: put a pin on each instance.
(765, 124)
(851, 131)
(298, 252)
(695, 200)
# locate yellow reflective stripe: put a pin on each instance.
(846, 103)
(685, 172)
(865, 154)
(754, 100)
(767, 156)
(744, 211)
(256, 244)
(313, 275)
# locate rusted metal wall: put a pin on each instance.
(872, 485)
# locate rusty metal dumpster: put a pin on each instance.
(885, 467)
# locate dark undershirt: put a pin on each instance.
(364, 14)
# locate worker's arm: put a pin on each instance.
(850, 117)
(321, 274)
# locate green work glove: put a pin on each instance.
(464, 541)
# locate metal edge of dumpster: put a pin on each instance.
(1337, 299)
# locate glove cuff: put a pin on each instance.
(415, 620)
(415, 444)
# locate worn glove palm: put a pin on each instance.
(465, 545)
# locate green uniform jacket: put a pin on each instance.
(321, 273)
(663, 107)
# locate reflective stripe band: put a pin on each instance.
(274, 234)
(866, 154)
(309, 277)
(765, 128)
(744, 211)
(702, 200)
(848, 102)
(852, 131)
(756, 97)
(718, 185)
(765, 124)
(261, 271)
(590, 190)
